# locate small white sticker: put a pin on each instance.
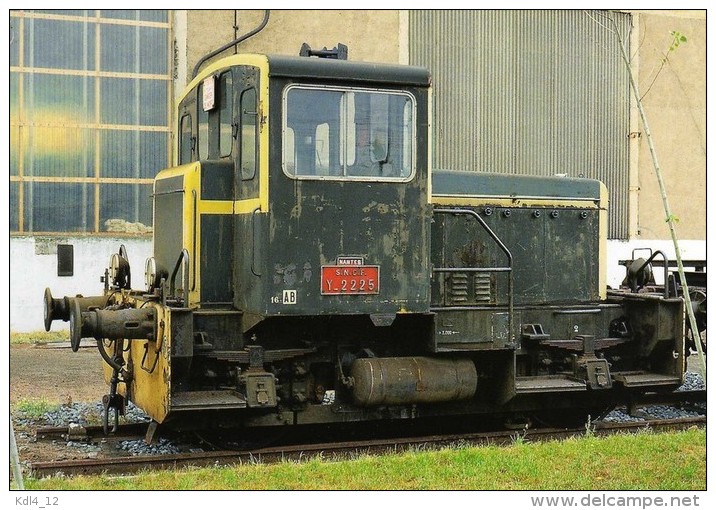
(208, 101)
(289, 297)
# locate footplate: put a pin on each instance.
(645, 379)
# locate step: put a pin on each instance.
(204, 400)
(641, 379)
(547, 384)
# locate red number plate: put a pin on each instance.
(336, 280)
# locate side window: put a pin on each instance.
(226, 113)
(202, 125)
(249, 113)
(186, 141)
(348, 133)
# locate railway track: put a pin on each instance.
(126, 465)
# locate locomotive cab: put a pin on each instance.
(315, 206)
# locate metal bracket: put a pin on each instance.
(594, 372)
(534, 332)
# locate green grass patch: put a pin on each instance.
(39, 337)
(32, 408)
(643, 461)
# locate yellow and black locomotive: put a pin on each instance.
(310, 267)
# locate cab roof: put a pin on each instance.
(334, 69)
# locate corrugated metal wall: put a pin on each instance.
(530, 92)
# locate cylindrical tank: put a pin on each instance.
(412, 380)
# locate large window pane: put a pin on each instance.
(58, 207)
(118, 151)
(119, 48)
(119, 101)
(152, 153)
(14, 150)
(153, 50)
(149, 15)
(58, 151)
(60, 44)
(119, 14)
(153, 110)
(59, 99)
(64, 12)
(123, 204)
(14, 42)
(14, 206)
(14, 127)
(133, 154)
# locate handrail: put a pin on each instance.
(183, 257)
(666, 269)
(500, 244)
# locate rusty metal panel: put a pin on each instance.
(530, 92)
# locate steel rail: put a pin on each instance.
(126, 465)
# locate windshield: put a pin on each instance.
(348, 134)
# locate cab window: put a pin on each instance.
(249, 135)
(186, 140)
(348, 133)
(226, 110)
(202, 124)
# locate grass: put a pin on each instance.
(32, 408)
(642, 461)
(36, 337)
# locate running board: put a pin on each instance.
(564, 383)
(547, 384)
(643, 379)
(205, 400)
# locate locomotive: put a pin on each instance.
(311, 267)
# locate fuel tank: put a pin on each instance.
(412, 380)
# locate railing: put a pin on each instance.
(500, 244)
(183, 258)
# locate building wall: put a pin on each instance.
(34, 267)
(370, 35)
(675, 105)
(675, 102)
(515, 99)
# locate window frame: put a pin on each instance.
(255, 135)
(342, 129)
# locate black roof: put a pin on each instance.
(333, 69)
